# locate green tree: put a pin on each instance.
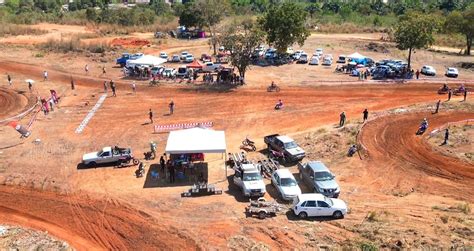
(462, 22)
(312, 9)
(189, 17)
(91, 14)
(242, 41)
(284, 25)
(415, 31)
(211, 13)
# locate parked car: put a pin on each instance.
(327, 60)
(210, 67)
(297, 54)
(182, 72)
(122, 61)
(314, 60)
(206, 58)
(163, 55)
(189, 58)
(318, 177)
(452, 72)
(249, 180)
(183, 55)
(175, 59)
(303, 59)
(428, 70)
(270, 53)
(285, 145)
(318, 52)
(285, 183)
(314, 204)
(341, 59)
(108, 155)
(290, 50)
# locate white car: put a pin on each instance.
(169, 72)
(318, 52)
(314, 60)
(315, 204)
(163, 55)
(183, 55)
(428, 70)
(249, 180)
(157, 70)
(452, 72)
(189, 58)
(327, 60)
(290, 50)
(297, 54)
(284, 181)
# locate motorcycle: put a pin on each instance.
(272, 88)
(422, 129)
(247, 143)
(125, 161)
(278, 156)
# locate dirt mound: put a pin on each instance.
(376, 47)
(87, 223)
(130, 42)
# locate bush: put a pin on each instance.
(73, 44)
(16, 30)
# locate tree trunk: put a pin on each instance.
(469, 45)
(409, 59)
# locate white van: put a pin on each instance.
(314, 60)
(315, 204)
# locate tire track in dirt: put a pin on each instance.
(401, 155)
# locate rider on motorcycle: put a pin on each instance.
(445, 87)
(272, 85)
(424, 124)
(279, 105)
(462, 88)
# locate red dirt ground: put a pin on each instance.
(12, 102)
(130, 42)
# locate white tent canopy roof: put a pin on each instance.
(196, 140)
(146, 60)
(356, 55)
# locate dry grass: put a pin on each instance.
(17, 30)
(450, 40)
(350, 28)
(74, 44)
(163, 25)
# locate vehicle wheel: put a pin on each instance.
(254, 148)
(92, 164)
(244, 142)
(262, 215)
(338, 215)
(303, 215)
(136, 162)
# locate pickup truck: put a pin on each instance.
(109, 155)
(122, 61)
(285, 145)
(210, 67)
(318, 177)
(247, 177)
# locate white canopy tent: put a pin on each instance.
(196, 140)
(356, 55)
(146, 60)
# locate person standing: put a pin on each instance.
(465, 95)
(72, 84)
(162, 164)
(86, 69)
(417, 74)
(103, 71)
(171, 106)
(45, 75)
(51, 103)
(172, 172)
(150, 116)
(112, 86)
(9, 78)
(134, 87)
(30, 85)
(342, 119)
(366, 114)
(437, 106)
(446, 136)
(450, 93)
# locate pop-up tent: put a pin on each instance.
(195, 65)
(196, 140)
(358, 58)
(146, 60)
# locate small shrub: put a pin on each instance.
(39, 55)
(444, 219)
(372, 216)
(464, 207)
(368, 246)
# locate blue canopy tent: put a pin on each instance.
(358, 58)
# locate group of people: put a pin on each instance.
(112, 87)
(48, 104)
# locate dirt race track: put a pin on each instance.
(392, 140)
(402, 179)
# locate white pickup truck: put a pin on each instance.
(210, 67)
(109, 155)
(248, 178)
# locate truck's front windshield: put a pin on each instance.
(252, 176)
(100, 153)
(323, 176)
(288, 182)
(290, 145)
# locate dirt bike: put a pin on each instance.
(125, 161)
(422, 129)
(459, 91)
(154, 82)
(273, 88)
(140, 172)
(247, 143)
(276, 155)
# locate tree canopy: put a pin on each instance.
(415, 31)
(462, 22)
(284, 25)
